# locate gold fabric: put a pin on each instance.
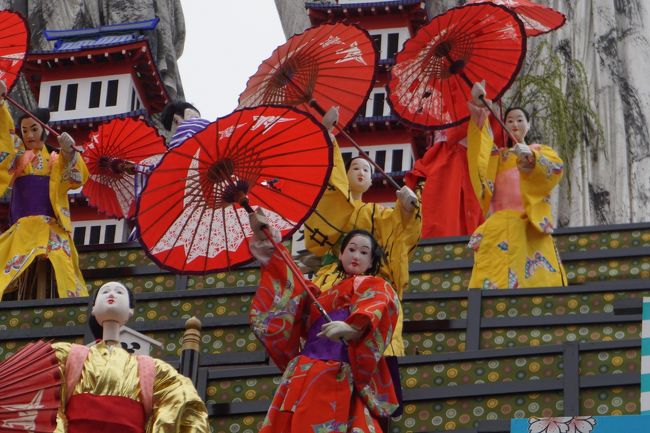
(337, 213)
(112, 371)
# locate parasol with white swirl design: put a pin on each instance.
(191, 214)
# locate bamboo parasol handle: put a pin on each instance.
(37, 120)
(289, 262)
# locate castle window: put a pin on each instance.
(55, 97)
(79, 235)
(397, 157)
(393, 45)
(376, 40)
(380, 158)
(378, 104)
(71, 97)
(95, 92)
(95, 232)
(109, 234)
(111, 94)
(100, 232)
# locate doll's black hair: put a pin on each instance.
(348, 163)
(95, 328)
(523, 110)
(377, 255)
(176, 107)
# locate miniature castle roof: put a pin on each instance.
(121, 45)
(75, 39)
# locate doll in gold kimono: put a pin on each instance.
(107, 389)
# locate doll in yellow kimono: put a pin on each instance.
(341, 210)
(39, 208)
(513, 247)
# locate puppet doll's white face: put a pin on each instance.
(112, 304)
(517, 124)
(359, 175)
(32, 134)
(356, 257)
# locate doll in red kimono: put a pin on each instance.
(334, 375)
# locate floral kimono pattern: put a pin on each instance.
(325, 395)
(34, 235)
(513, 248)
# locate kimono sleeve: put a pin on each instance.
(545, 174)
(277, 310)
(536, 186)
(7, 147)
(333, 212)
(482, 159)
(177, 407)
(374, 308)
(72, 171)
(398, 234)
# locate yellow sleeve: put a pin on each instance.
(537, 184)
(546, 173)
(7, 147)
(327, 223)
(399, 235)
(177, 407)
(66, 175)
(482, 162)
(72, 172)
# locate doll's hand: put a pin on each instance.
(522, 151)
(478, 92)
(259, 245)
(525, 156)
(66, 142)
(407, 199)
(330, 118)
(338, 329)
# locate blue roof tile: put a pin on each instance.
(151, 24)
(324, 5)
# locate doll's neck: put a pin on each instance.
(111, 333)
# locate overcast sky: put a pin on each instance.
(225, 42)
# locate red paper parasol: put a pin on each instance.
(30, 390)
(114, 152)
(332, 64)
(538, 19)
(188, 219)
(13, 43)
(431, 80)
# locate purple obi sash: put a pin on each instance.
(30, 196)
(323, 348)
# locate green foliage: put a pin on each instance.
(553, 86)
